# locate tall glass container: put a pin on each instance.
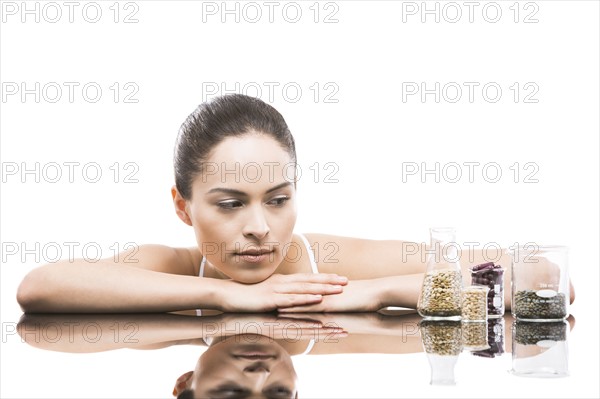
(540, 283)
(440, 296)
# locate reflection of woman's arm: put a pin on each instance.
(159, 279)
(98, 333)
(368, 333)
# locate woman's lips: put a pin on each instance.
(254, 357)
(254, 257)
(260, 349)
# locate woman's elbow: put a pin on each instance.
(29, 293)
(571, 292)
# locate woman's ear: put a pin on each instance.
(180, 206)
(182, 383)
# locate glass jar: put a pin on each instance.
(492, 276)
(540, 283)
(474, 304)
(442, 283)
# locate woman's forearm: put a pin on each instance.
(402, 291)
(79, 287)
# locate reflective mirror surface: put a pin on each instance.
(392, 353)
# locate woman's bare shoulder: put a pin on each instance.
(163, 258)
(336, 243)
(320, 237)
(334, 252)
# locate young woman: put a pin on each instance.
(235, 185)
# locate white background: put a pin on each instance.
(175, 51)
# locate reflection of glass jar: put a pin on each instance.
(442, 282)
(475, 336)
(528, 333)
(540, 349)
(491, 276)
(540, 283)
(495, 339)
(442, 341)
(443, 337)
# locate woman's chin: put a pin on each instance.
(250, 278)
(250, 273)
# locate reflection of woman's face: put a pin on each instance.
(245, 366)
(245, 201)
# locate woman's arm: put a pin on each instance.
(384, 272)
(387, 272)
(157, 282)
(103, 287)
(369, 295)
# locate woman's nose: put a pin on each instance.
(257, 367)
(256, 225)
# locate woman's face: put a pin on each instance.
(243, 207)
(244, 366)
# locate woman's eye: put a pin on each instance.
(279, 392)
(229, 204)
(279, 201)
(229, 392)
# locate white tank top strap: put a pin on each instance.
(202, 264)
(311, 254)
(311, 343)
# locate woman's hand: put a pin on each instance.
(281, 291)
(358, 296)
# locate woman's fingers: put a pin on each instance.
(323, 278)
(283, 291)
(316, 284)
(309, 288)
(287, 300)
